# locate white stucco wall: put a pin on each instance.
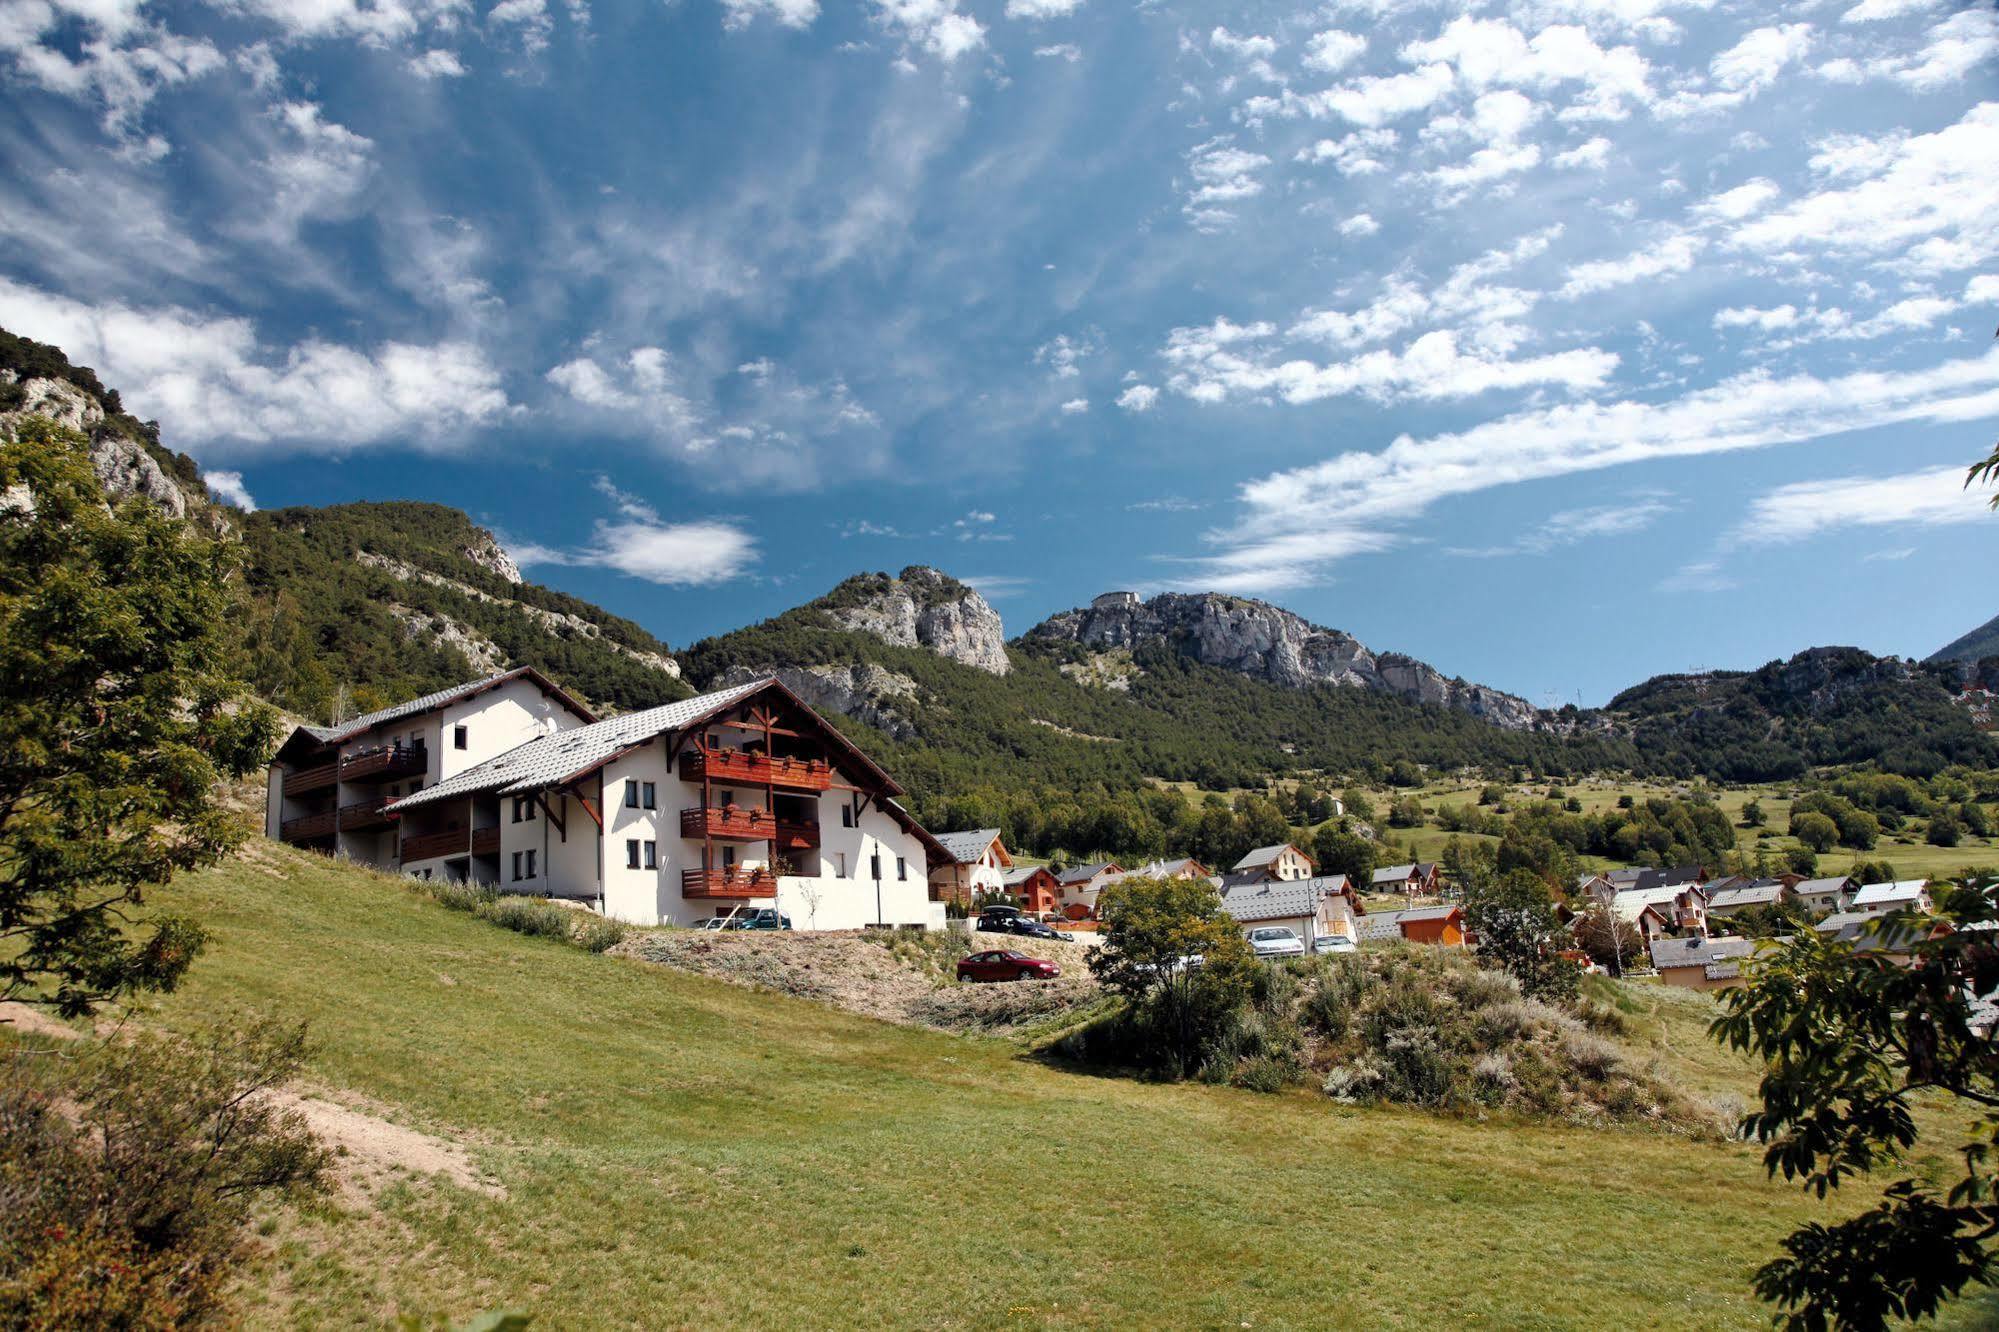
(494, 722)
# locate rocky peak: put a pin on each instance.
(487, 553)
(1270, 643)
(123, 465)
(923, 607)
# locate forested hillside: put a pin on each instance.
(1976, 646)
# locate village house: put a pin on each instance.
(977, 865)
(1908, 895)
(1411, 880)
(1080, 885)
(1186, 867)
(1034, 889)
(509, 782)
(1431, 925)
(1311, 908)
(1702, 964)
(1280, 863)
(1683, 906)
(1823, 896)
(1741, 894)
(1641, 915)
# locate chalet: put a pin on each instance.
(1186, 867)
(1282, 863)
(1432, 925)
(509, 782)
(1641, 915)
(1823, 896)
(1702, 964)
(1909, 895)
(977, 865)
(1311, 908)
(1682, 905)
(1740, 895)
(1034, 889)
(1413, 880)
(1080, 885)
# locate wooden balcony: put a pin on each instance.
(305, 780)
(736, 765)
(743, 883)
(486, 841)
(429, 846)
(308, 828)
(746, 825)
(366, 814)
(384, 763)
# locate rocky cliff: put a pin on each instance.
(123, 464)
(1269, 643)
(922, 607)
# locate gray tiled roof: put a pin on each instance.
(547, 760)
(1263, 855)
(966, 847)
(1908, 890)
(1813, 887)
(1749, 894)
(1022, 873)
(1271, 900)
(412, 708)
(1083, 873)
(1700, 952)
(1394, 873)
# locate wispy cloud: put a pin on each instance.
(1804, 509)
(1572, 526)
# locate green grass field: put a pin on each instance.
(678, 1151)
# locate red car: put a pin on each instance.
(1003, 964)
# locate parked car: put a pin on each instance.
(1276, 941)
(763, 918)
(1334, 943)
(1017, 924)
(1004, 964)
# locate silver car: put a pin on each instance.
(1334, 943)
(1276, 941)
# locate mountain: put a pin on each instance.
(1974, 647)
(1264, 642)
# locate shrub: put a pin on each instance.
(523, 915)
(600, 935)
(127, 1174)
(472, 897)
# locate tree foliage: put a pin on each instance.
(1513, 917)
(118, 717)
(1850, 1040)
(1168, 945)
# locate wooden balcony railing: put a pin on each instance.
(735, 824)
(737, 765)
(429, 846)
(728, 883)
(318, 778)
(486, 841)
(309, 827)
(383, 763)
(366, 814)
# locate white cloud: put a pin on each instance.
(1490, 53)
(1358, 154)
(1360, 224)
(1041, 9)
(1075, 405)
(1870, 11)
(1252, 46)
(1138, 398)
(213, 379)
(104, 54)
(1753, 64)
(1298, 521)
(229, 488)
(1223, 174)
(934, 25)
(1675, 254)
(1068, 51)
(437, 63)
(1573, 526)
(1377, 99)
(1064, 355)
(786, 13)
(1960, 44)
(1733, 205)
(1804, 509)
(1591, 156)
(672, 554)
(1333, 50)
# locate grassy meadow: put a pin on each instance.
(681, 1151)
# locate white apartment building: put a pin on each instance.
(744, 796)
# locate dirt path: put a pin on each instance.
(370, 1150)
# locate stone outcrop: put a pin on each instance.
(867, 693)
(488, 554)
(124, 466)
(1269, 643)
(443, 631)
(924, 608)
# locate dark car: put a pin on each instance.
(1016, 924)
(765, 918)
(1003, 964)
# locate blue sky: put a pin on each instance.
(1558, 342)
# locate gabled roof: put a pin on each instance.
(1659, 895)
(1395, 873)
(1391, 922)
(1747, 895)
(1701, 952)
(1818, 886)
(1265, 855)
(1269, 899)
(1908, 890)
(1025, 873)
(329, 735)
(1630, 906)
(1084, 873)
(1166, 869)
(966, 847)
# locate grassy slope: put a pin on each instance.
(681, 1151)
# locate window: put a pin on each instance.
(902, 869)
(652, 855)
(632, 853)
(651, 799)
(728, 799)
(458, 737)
(728, 857)
(530, 864)
(631, 795)
(523, 808)
(517, 861)
(846, 816)
(840, 864)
